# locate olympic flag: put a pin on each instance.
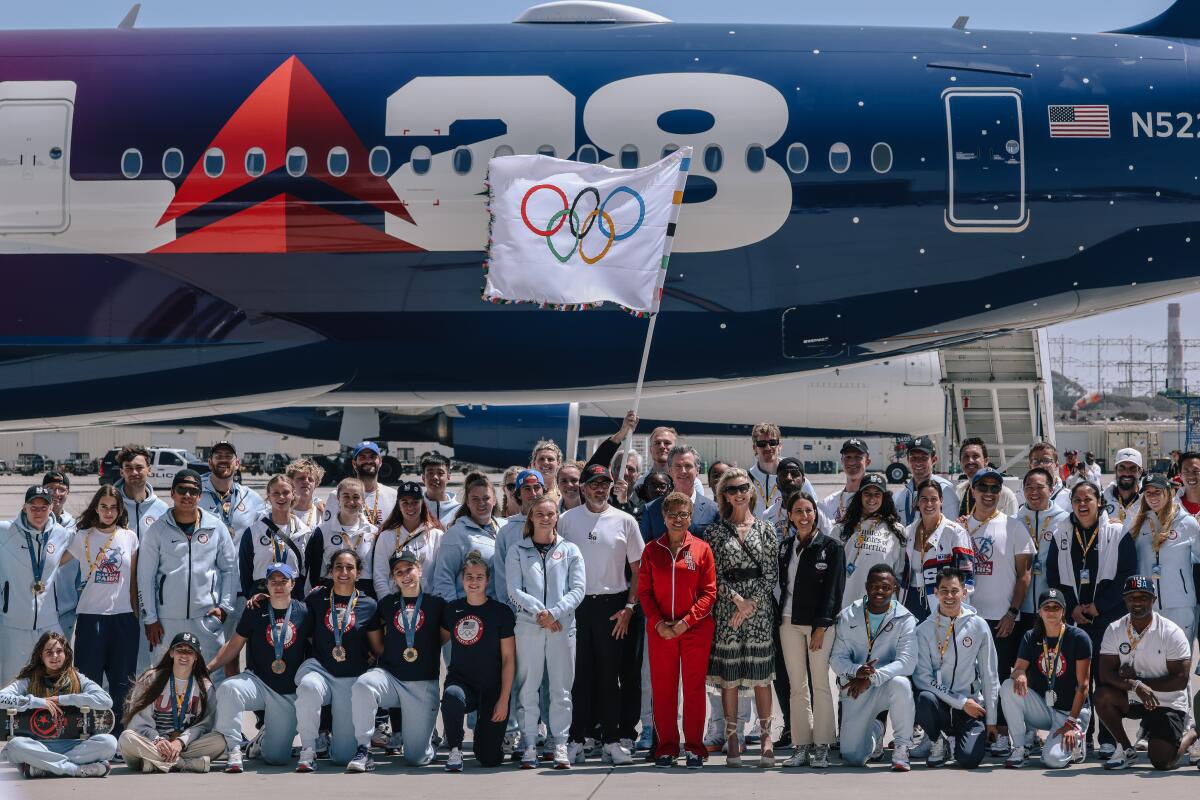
(569, 235)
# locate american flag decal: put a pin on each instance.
(1078, 122)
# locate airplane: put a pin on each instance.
(204, 221)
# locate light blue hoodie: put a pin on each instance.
(144, 514)
(182, 577)
(19, 606)
(968, 668)
(554, 583)
(16, 696)
(464, 536)
(894, 651)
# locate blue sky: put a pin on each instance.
(1147, 322)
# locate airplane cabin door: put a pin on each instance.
(986, 142)
(34, 165)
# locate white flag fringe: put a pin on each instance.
(572, 236)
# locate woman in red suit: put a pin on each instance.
(677, 586)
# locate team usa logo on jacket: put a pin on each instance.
(1059, 666)
(329, 619)
(468, 630)
(289, 636)
(967, 641)
(398, 619)
(203, 538)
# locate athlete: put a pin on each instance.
(66, 579)
(306, 476)
(50, 681)
(411, 526)
(169, 721)
(871, 533)
(346, 529)
(378, 500)
(855, 457)
(275, 633)
(1119, 500)
(934, 542)
(1168, 544)
(277, 537)
(474, 529)
(922, 457)
(1036, 519)
(435, 475)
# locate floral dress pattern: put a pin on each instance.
(744, 656)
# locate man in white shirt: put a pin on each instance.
(1120, 499)
(380, 499)
(1144, 659)
(611, 543)
(856, 457)
(972, 457)
(922, 457)
(1002, 573)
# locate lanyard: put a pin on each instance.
(339, 623)
(279, 631)
(981, 525)
(279, 541)
(225, 505)
(410, 623)
(1050, 660)
(1134, 638)
(37, 556)
(401, 545)
(180, 703)
(87, 552)
(944, 644)
(873, 635)
(1091, 541)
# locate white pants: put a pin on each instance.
(858, 718)
(418, 702)
(16, 646)
(139, 751)
(61, 757)
(315, 688)
(545, 655)
(1031, 711)
(207, 629)
(247, 692)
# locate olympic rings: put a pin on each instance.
(597, 217)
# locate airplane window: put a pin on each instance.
(502, 150)
(629, 157)
(256, 162)
(588, 155)
(463, 160)
(756, 158)
(881, 157)
(338, 162)
(668, 149)
(131, 163)
(546, 150)
(297, 162)
(172, 163)
(214, 162)
(839, 157)
(797, 158)
(379, 161)
(713, 158)
(421, 158)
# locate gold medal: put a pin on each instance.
(279, 666)
(410, 654)
(38, 587)
(339, 653)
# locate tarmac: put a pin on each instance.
(594, 781)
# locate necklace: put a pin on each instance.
(87, 551)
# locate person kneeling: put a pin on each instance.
(50, 681)
(874, 652)
(1144, 659)
(955, 651)
(168, 727)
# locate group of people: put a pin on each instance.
(583, 600)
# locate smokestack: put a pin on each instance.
(1174, 349)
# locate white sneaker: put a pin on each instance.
(308, 760)
(1122, 759)
(589, 746)
(628, 745)
(509, 746)
(1001, 747)
(575, 753)
(529, 759)
(97, 769)
(900, 759)
(877, 753)
(937, 753)
(1194, 752)
(562, 759)
(618, 754)
(233, 763)
(454, 761)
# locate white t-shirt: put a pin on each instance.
(835, 505)
(995, 564)
(872, 543)
(106, 571)
(608, 541)
(1161, 642)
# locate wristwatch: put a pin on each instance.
(630, 606)
(1014, 612)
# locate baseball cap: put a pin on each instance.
(224, 445)
(1052, 596)
(530, 477)
(361, 446)
(404, 555)
(921, 444)
(55, 476)
(186, 638)
(1129, 454)
(987, 472)
(875, 479)
(285, 570)
(185, 476)
(38, 492)
(791, 462)
(855, 444)
(1157, 481)
(410, 489)
(596, 472)
(1138, 583)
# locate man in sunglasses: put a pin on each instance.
(1003, 563)
(767, 443)
(185, 561)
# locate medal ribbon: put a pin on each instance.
(279, 634)
(37, 556)
(87, 552)
(1134, 639)
(340, 623)
(944, 644)
(1091, 541)
(410, 624)
(872, 636)
(180, 704)
(1050, 660)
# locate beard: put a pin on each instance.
(366, 470)
(1126, 482)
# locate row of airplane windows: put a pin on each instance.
(379, 160)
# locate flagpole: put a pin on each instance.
(637, 400)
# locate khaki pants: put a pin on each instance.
(139, 750)
(802, 664)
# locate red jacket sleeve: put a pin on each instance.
(650, 607)
(706, 586)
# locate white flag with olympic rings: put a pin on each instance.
(572, 236)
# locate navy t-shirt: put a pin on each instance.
(256, 628)
(1075, 647)
(475, 634)
(427, 641)
(354, 639)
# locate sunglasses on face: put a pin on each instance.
(988, 488)
(766, 443)
(187, 491)
(741, 488)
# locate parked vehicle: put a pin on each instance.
(30, 464)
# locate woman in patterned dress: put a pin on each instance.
(743, 653)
